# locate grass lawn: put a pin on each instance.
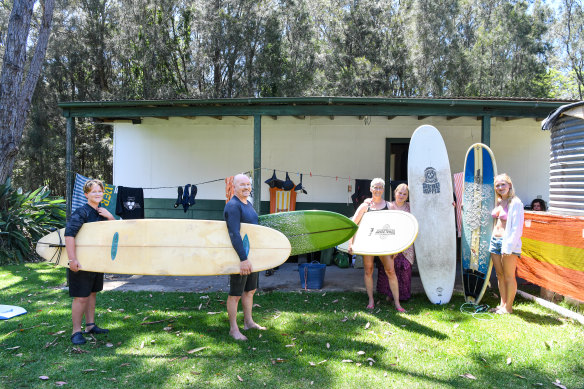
(314, 339)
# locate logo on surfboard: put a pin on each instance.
(430, 184)
(115, 241)
(382, 232)
(245, 241)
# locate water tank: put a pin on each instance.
(567, 159)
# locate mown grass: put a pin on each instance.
(314, 339)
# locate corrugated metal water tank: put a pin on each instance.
(567, 160)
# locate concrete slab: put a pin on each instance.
(286, 278)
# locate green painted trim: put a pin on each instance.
(164, 209)
(257, 161)
(486, 130)
(213, 209)
(70, 163)
(312, 106)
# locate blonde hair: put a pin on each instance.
(376, 181)
(507, 179)
(401, 186)
(89, 184)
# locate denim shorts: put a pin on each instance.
(496, 245)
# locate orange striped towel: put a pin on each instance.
(229, 189)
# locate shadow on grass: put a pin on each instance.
(44, 276)
(536, 318)
(302, 328)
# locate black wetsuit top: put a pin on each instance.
(235, 213)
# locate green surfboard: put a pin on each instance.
(310, 231)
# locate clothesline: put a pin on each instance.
(199, 183)
(307, 174)
(310, 174)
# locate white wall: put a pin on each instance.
(522, 150)
(179, 151)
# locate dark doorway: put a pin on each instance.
(396, 164)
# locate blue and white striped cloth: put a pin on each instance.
(78, 199)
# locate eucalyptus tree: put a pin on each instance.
(23, 57)
(363, 47)
(433, 43)
(78, 66)
(151, 46)
(507, 49)
(286, 62)
(228, 34)
(569, 35)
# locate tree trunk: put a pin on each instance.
(16, 85)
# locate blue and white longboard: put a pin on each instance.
(478, 200)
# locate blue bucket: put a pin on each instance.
(311, 275)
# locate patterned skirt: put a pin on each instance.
(403, 271)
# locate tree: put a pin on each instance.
(569, 32)
(17, 80)
(507, 52)
(434, 51)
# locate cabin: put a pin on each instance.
(327, 142)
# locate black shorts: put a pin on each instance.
(83, 283)
(238, 283)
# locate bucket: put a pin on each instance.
(311, 275)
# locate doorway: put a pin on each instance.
(396, 164)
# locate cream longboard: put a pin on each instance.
(431, 197)
(385, 233)
(166, 247)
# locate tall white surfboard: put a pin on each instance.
(431, 197)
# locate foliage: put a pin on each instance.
(313, 340)
(24, 53)
(568, 33)
(25, 217)
(167, 49)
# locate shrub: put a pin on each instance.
(24, 219)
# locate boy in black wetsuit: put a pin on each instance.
(242, 286)
(84, 285)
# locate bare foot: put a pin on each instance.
(399, 308)
(371, 305)
(237, 335)
(253, 325)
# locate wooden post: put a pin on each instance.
(257, 162)
(70, 161)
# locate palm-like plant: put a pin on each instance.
(24, 218)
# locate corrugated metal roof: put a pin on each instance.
(307, 100)
(315, 106)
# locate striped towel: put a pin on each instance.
(109, 196)
(458, 187)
